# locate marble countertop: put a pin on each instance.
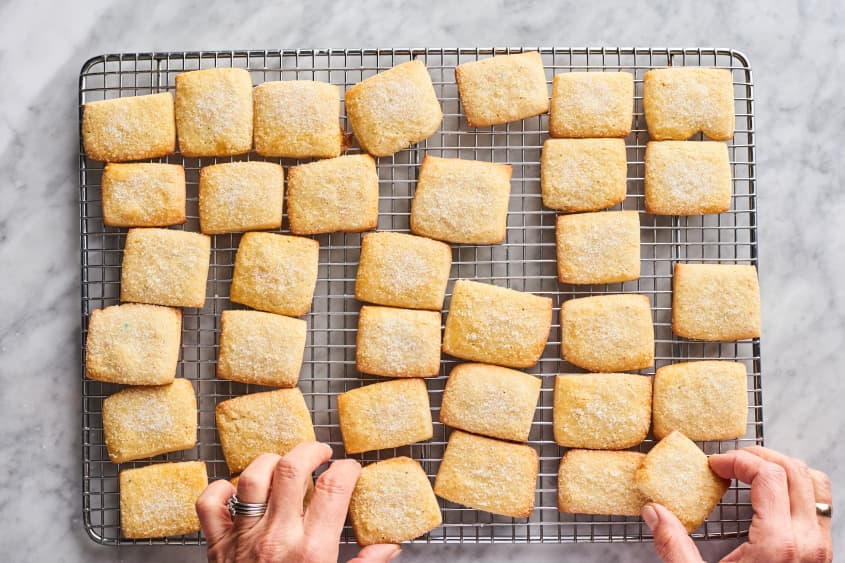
(795, 49)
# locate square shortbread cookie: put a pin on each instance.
(261, 348)
(715, 301)
(596, 482)
(165, 267)
(487, 474)
(133, 344)
(143, 194)
(158, 500)
(241, 196)
(214, 112)
(393, 502)
(398, 342)
(679, 102)
(592, 104)
(268, 422)
(337, 194)
(461, 201)
(496, 325)
(490, 400)
(687, 178)
(703, 400)
(583, 174)
(607, 333)
(141, 422)
(597, 248)
(133, 128)
(275, 273)
(402, 270)
(676, 474)
(601, 411)
(384, 415)
(394, 109)
(297, 119)
(502, 89)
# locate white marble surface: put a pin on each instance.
(797, 51)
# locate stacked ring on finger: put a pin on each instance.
(236, 507)
(824, 509)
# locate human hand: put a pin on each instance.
(785, 526)
(285, 533)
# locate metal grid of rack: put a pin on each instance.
(525, 261)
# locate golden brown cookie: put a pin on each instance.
(393, 502)
(715, 301)
(133, 344)
(594, 248)
(384, 415)
(461, 201)
(502, 88)
(592, 104)
(687, 178)
(241, 196)
(133, 128)
(144, 194)
(336, 194)
(496, 325)
(596, 482)
(490, 400)
(398, 342)
(583, 174)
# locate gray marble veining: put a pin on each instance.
(796, 51)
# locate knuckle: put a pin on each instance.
(332, 485)
(773, 472)
(248, 484)
(287, 469)
(268, 548)
(787, 550)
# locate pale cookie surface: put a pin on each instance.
(680, 102)
(703, 400)
(337, 194)
(394, 109)
(402, 270)
(268, 422)
(490, 400)
(594, 248)
(144, 194)
(583, 174)
(240, 196)
(487, 474)
(261, 348)
(607, 332)
(687, 178)
(165, 267)
(384, 415)
(141, 422)
(275, 273)
(214, 112)
(297, 119)
(496, 325)
(601, 411)
(461, 201)
(715, 301)
(592, 104)
(502, 89)
(133, 344)
(393, 502)
(398, 342)
(594, 482)
(676, 474)
(158, 500)
(133, 128)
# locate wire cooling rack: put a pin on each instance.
(525, 261)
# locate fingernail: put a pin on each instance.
(650, 516)
(395, 554)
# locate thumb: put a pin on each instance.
(377, 553)
(671, 541)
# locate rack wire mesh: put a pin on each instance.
(525, 261)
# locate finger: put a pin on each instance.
(213, 511)
(671, 540)
(377, 553)
(330, 501)
(769, 491)
(290, 481)
(254, 486)
(821, 488)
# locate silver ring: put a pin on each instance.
(824, 509)
(237, 507)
